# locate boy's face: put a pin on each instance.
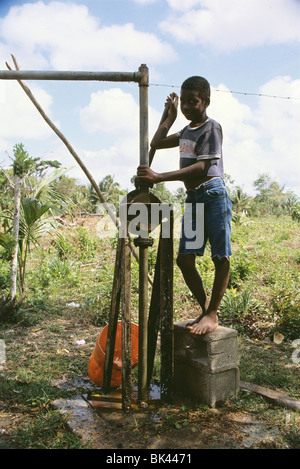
(192, 106)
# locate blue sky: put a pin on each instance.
(240, 46)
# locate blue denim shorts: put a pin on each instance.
(207, 217)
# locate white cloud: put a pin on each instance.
(66, 36)
(183, 5)
(227, 109)
(278, 123)
(115, 112)
(18, 117)
(234, 24)
(119, 160)
(264, 139)
(62, 35)
(19, 120)
(112, 111)
(255, 140)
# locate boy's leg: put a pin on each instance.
(217, 216)
(209, 322)
(187, 265)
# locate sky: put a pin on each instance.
(247, 49)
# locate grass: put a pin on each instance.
(270, 365)
(41, 348)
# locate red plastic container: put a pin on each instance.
(96, 362)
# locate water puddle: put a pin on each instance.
(107, 404)
(254, 432)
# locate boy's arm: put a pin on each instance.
(194, 171)
(160, 138)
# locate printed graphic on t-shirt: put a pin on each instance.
(187, 149)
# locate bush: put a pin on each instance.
(242, 266)
(9, 309)
(87, 245)
(97, 309)
(295, 213)
(286, 306)
(64, 248)
(240, 311)
(53, 272)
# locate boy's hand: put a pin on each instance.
(146, 173)
(172, 101)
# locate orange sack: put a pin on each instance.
(96, 362)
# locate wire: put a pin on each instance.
(234, 92)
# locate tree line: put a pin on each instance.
(35, 194)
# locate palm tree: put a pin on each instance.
(46, 191)
(45, 199)
(29, 221)
(21, 165)
(110, 190)
(33, 225)
(240, 201)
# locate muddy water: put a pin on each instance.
(112, 401)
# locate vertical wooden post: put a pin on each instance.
(126, 329)
(154, 315)
(161, 310)
(166, 307)
(113, 316)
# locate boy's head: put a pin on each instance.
(200, 85)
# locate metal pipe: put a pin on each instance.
(143, 245)
(143, 95)
(67, 75)
(143, 323)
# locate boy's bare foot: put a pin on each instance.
(204, 324)
(188, 326)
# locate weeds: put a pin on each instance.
(47, 431)
(9, 309)
(262, 297)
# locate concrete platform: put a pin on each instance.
(206, 367)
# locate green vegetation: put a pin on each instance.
(65, 282)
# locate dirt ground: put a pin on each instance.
(182, 425)
(221, 428)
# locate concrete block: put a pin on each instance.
(206, 367)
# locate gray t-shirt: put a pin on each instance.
(202, 143)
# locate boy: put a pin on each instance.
(201, 170)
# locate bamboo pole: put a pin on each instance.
(163, 118)
(113, 316)
(65, 141)
(70, 148)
